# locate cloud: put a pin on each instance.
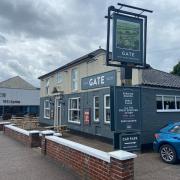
(3, 40)
(37, 36)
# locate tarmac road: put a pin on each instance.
(149, 166)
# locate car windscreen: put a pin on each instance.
(175, 129)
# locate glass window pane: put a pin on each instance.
(178, 102)
(107, 101)
(169, 102)
(97, 102)
(79, 102)
(159, 102)
(97, 114)
(107, 114)
(59, 77)
(175, 129)
(74, 104)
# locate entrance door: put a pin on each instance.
(57, 121)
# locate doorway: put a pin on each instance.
(57, 121)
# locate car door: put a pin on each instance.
(175, 136)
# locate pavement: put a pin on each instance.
(18, 162)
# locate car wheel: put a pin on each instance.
(168, 154)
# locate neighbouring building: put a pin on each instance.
(18, 97)
(78, 95)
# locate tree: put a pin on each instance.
(176, 69)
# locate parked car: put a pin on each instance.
(167, 143)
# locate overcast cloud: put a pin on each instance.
(37, 36)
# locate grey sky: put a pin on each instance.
(37, 36)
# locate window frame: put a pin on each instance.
(163, 108)
(59, 77)
(47, 108)
(105, 108)
(94, 109)
(47, 86)
(73, 109)
(74, 80)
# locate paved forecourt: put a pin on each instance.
(18, 162)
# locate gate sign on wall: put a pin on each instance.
(127, 39)
(99, 80)
(125, 109)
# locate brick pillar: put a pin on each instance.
(122, 170)
(34, 139)
(122, 165)
(43, 140)
(2, 124)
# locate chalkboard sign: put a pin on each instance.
(125, 109)
(130, 142)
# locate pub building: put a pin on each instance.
(18, 98)
(78, 95)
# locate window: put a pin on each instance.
(47, 86)
(74, 79)
(175, 129)
(96, 108)
(167, 103)
(159, 102)
(59, 77)
(178, 102)
(74, 110)
(107, 108)
(46, 109)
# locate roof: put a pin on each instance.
(16, 83)
(74, 62)
(153, 77)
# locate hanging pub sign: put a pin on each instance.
(127, 39)
(125, 109)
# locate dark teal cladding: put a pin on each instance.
(151, 120)
(86, 101)
(99, 80)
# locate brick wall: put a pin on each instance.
(2, 124)
(29, 138)
(89, 166)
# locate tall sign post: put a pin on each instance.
(129, 35)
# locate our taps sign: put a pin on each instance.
(99, 80)
(125, 109)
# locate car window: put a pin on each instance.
(175, 129)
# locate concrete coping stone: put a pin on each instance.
(105, 156)
(5, 122)
(22, 131)
(47, 132)
(33, 131)
(57, 134)
(122, 155)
